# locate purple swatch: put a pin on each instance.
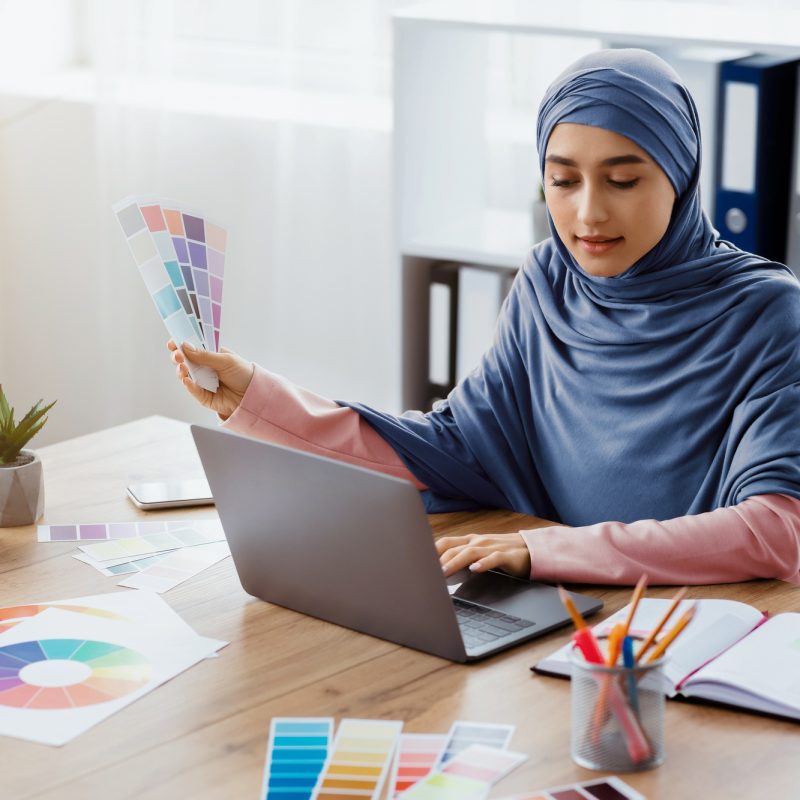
(216, 289)
(216, 311)
(180, 249)
(93, 532)
(63, 533)
(194, 228)
(121, 530)
(197, 255)
(201, 282)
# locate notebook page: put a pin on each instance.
(764, 665)
(717, 624)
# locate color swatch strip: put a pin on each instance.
(148, 544)
(103, 531)
(482, 763)
(439, 786)
(464, 734)
(360, 759)
(296, 753)
(177, 567)
(610, 788)
(37, 674)
(122, 567)
(416, 755)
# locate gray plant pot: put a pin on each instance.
(21, 491)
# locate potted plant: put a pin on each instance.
(21, 478)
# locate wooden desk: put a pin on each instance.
(203, 734)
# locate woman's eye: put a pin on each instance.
(561, 183)
(624, 184)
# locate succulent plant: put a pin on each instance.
(14, 436)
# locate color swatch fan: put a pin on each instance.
(181, 258)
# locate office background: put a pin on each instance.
(273, 117)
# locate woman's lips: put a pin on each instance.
(597, 245)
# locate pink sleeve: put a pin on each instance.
(276, 410)
(758, 538)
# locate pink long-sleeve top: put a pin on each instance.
(758, 538)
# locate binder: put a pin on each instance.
(480, 295)
(793, 223)
(442, 330)
(699, 69)
(756, 101)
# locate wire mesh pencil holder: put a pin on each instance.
(617, 715)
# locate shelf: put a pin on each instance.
(493, 238)
(622, 21)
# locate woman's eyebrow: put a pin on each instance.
(631, 158)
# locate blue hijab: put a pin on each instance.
(670, 389)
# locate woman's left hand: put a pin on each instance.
(479, 552)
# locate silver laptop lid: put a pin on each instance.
(344, 544)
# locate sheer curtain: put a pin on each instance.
(273, 118)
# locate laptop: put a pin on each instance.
(354, 547)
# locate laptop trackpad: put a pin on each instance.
(533, 601)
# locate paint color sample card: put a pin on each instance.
(359, 763)
(177, 253)
(123, 567)
(487, 764)
(64, 672)
(611, 788)
(103, 531)
(438, 786)
(464, 734)
(296, 753)
(416, 755)
(202, 532)
(177, 567)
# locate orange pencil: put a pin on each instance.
(648, 642)
(684, 620)
(635, 598)
(570, 606)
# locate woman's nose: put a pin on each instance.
(591, 206)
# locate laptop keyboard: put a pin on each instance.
(481, 626)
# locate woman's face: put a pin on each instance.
(610, 202)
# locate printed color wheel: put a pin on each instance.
(68, 673)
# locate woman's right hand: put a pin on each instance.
(233, 371)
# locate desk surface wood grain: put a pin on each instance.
(204, 733)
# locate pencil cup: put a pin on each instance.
(617, 715)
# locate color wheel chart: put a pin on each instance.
(68, 673)
(181, 258)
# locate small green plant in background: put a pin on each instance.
(14, 436)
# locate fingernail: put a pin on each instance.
(475, 566)
(187, 346)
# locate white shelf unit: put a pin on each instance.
(444, 119)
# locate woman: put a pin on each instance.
(644, 382)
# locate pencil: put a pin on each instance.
(684, 620)
(648, 642)
(570, 606)
(635, 598)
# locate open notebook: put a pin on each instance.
(729, 653)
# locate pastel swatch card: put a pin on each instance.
(464, 734)
(438, 786)
(296, 753)
(359, 763)
(610, 788)
(177, 254)
(177, 567)
(121, 566)
(416, 755)
(103, 531)
(177, 536)
(482, 763)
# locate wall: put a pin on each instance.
(310, 290)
